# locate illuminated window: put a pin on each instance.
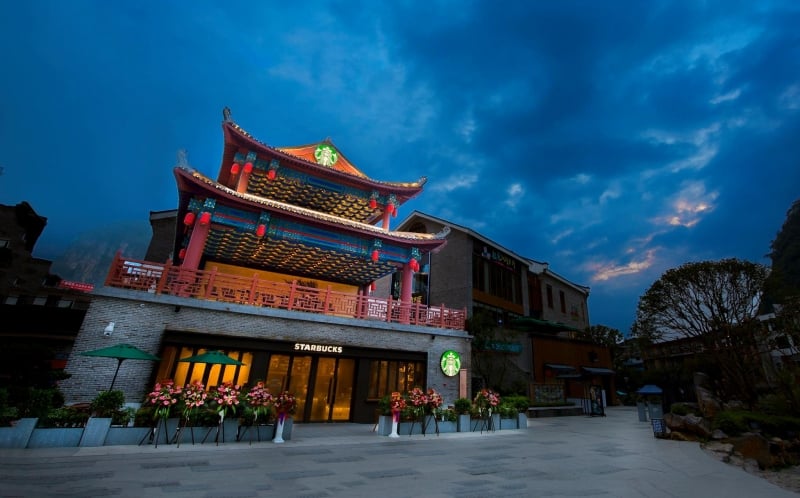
(386, 377)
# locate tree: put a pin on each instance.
(496, 369)
(784, 280)
(715, 303)
(603, 335)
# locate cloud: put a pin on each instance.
(610, 270)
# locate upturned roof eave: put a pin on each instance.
(191, 182)
(236, 136)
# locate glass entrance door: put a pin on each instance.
(333, 390)
(323, 386)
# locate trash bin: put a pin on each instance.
(640, 407)
(655, 410)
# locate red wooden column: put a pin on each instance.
(386, 215)
(197, 242)
(247, 170)
(406, 288)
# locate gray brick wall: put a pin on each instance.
(141, 319)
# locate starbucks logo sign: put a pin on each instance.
(451, 363)
(326, 155)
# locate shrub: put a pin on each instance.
(144, 417)
(519, 403)
(734, 422)
(64, 417)
(446, 414)
(462, 406)
(39, 402)
(507, 410)
(108, 403)
(681, 409)
(385, 405)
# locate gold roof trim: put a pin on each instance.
(310, 212)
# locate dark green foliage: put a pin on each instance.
(682, 409)
(7, 412)
(784, 281)
(39, 402)
(462, 406)
(385, 405)
(736, 422)
(144, 417)
(108, 403)
(64, 417)
(520, 404)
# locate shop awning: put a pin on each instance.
(598, 371)
(558, 366)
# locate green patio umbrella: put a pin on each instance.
(121, 352)
(212, 358)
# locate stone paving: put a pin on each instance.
(612, 456)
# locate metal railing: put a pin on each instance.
(212, 285)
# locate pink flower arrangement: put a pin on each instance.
(434, 400)
(226, 396)
(486, 398)
(163, 396)
(259, 398)
(418, 397)
(194, 396)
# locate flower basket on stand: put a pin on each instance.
(419, 402)
(397, 405)
(194, 396)
(486, 402)
(163, 396)
(261, 402)
(434, 401)
(226, 398)
(284, 406)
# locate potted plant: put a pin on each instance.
(462, 407)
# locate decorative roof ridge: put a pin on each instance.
(310, 212)
(226, 113)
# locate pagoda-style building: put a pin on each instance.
(275, 263)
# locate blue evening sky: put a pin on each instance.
(614, 140)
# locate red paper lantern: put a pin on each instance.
(372, 286)
(235, 168)
(182, 253)
(188, 220)
(373, 203)
(390, 208)
(205, 218)
(375, 255)
(271, 175)
(261, 230)
(248, 168)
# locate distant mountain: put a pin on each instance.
(88, 257)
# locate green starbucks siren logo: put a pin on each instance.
(451, 363)
(326, 155)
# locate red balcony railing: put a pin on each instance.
(212, 285)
